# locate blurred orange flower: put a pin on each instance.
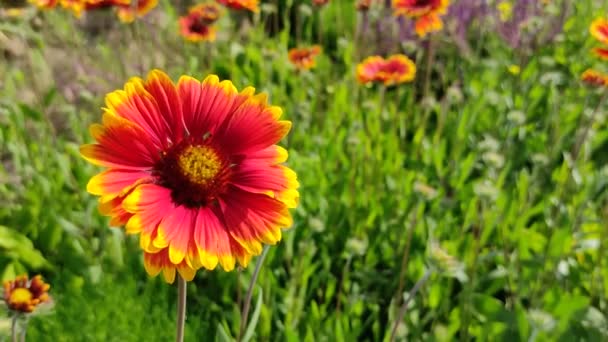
(22, 295)
(251, 5)
(394, 70)
(196, 25)
(128, 13)
(363, 5)
(44, 4)
(426, 13)
(320, 2)
(304, 58)
(599, 30)
(595, 78)
(602, 53)
(209, 12)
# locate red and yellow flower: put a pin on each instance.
(194, 169)
(304, 58)
(394, 70)
(595, 78)
(76, 6)
(426, 13)
(128, 13)
(320, 2)
(601, 52)
(196, 26)
(45, 4)
(23, 295)
(250, 5)
(599, 30)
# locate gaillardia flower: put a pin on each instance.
(44, 4)
(196, 26)
(76, 6)
(426, 13)
(250, 5)
(304, 58)
(393, 70)
(320, 2)
(194, 170)
(595, 78)
(600, 52)
(599, 30)
(23, 295)
(128, 13)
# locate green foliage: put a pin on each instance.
(477, 181)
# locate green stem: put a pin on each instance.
(247, 305)
(579, 143)
(14, 328)
(410, 295)
(181, 308)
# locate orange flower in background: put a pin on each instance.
(602, 53)
(22, 295)
(320, 2)
(194, 170)
(304, 58)
(394, 70)
(44, 4)
(250, 5)
(595, 78)
(599, 30)
(97, 4)
(128, 13)
(427, 13)
(195, 26)
(209, 12)
(76, 6)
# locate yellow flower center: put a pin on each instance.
(200, 164)
(20, 295)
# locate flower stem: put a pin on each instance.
(247, 305)
(181, 308)
(14, 328)
(579, 143)
(410, 295)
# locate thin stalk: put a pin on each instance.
(14, 328)
(404, 261)
(410, 295)
(181, 308)
(247, 305)
(579, 143)
(430, 57)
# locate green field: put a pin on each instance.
(488, 173)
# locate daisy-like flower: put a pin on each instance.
(196, 26)
(209, 12)
(194, 170)
(23, 295)
(599, 30)
(304, 58)
(426, 13)
(595, 78)
(76, 6)
(601, 52)
(44, 4)
(394, 70)
(128, 13)
(250, 5)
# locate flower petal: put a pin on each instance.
(154, 263)
(253, 219)
(276, 181)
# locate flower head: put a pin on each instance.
(194, 170)
(23, 295)
(97, 4)
(363, 5)
(304, 58)
(599, 30)
(601, 52)
(209, 12)
(196, 25)
(250, 5)
(320, 2)
(128, 13)
(44, 4)
(393, 70)
(76, 6)
(595, 78)
(426, 13)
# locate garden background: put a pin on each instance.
(489, 171)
